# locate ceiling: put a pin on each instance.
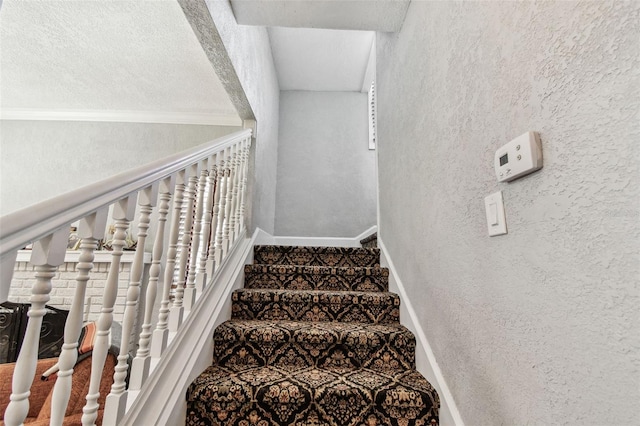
(321, 60)
(139, 56)
(372, 15)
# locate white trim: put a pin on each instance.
(322, 241)
(122, 116)
(425, 359)
(162, 399)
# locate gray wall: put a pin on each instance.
(326, 173)
(250, 52)
(539, 326)
(42, 159)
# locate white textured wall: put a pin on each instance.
(326, 173)
(540, 326)
(42, 159)
(249, 50)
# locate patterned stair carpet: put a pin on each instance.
(314, 339)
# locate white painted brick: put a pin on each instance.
(68, 275)
(68, 292)
(56, 301)
(29, 274)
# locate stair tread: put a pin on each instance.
(345, 397)
(240, 343)
(323, 295)
(327, 256)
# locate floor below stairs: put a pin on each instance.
(314, 339)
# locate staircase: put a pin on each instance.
(314, 339)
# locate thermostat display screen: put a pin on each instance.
(504, 159)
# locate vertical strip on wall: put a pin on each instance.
(372, 115)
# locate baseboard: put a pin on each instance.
(425, 359)
(320, 241)
(162, 401)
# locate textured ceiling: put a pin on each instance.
(373, 15)
(320, 60)
(107, 55)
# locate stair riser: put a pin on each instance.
(317, 256)
(271, 396)
(377, 308)
(258, 343)
(310, 281)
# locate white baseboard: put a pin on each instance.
(320, 241)
(162, 399)
(425, 359)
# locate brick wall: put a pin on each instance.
(64, 283)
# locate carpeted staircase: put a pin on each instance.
(314, 339)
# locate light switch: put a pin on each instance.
(494, 207)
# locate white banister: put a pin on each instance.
(211, 258)
(202, 190)
(224, 179)
(176, 314)
(47, 255)
(165, 315)
(247, 152)
(233, 218)
(142, 361)
(207, 235)
(91, 230)
(228, 203)
(190, 291)
(241, 188)
(37, 221)
(117, 399)
(123, 214)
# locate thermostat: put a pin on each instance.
(519, 157)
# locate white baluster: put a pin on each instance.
(123, 213)
(241, 182)
(161, 333)
(177, 309)
(142, 361)
(224, 179)
(211, 260)
(207, 235)
(229, 202)
(116, 401)
(247, 153)
(190, 292)
(91, 230)
(46, 255)
(233, 218)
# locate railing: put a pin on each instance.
(197, 200)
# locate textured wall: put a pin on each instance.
(539, 326)
(250, 52)
(326, 173)
(42, 159)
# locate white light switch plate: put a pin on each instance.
(494, 207)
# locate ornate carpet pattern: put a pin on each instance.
(314, 339)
